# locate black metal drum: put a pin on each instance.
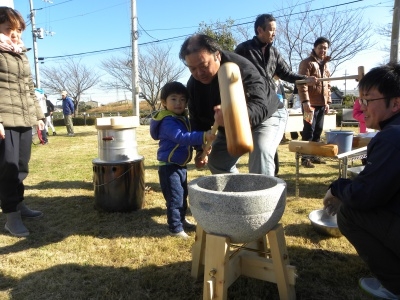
(119, 186)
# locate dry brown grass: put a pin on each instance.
(77, 252)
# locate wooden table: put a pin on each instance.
(295, 122)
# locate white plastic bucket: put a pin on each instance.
(343, 139)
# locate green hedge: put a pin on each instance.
(78, 121)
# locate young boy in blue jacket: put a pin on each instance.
(171, 127)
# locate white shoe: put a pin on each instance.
(373, 287)
(181, 234)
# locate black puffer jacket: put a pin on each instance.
(261, 99)
(377, 186)
(268, 64)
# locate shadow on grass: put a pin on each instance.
(76, 134)
(77, 215)
(95, 282)
(67, 216)
(173, 281)
(61, 185)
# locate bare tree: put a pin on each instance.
(72, 76)
(386, 32)
(156, 68)
(347, 30)
(120, 69)
(244, 32)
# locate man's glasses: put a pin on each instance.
(365, 101)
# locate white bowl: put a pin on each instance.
(324, 223)
(367, 134)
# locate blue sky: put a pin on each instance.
(81, 26)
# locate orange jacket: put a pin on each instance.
(319, 94)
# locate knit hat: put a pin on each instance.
(63, 93)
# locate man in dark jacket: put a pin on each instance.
(68, 111)
(368, 207)
(203, 56)
(48, 115)
(267, 58)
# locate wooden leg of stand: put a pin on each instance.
(198, 253)
(297, 188)
(215, 272)
(280, 260)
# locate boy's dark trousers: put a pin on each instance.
(173, 181)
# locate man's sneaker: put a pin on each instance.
(188, 225)
(373, 287)
(181, 234)
(317, 160)
(54, 133)
(307, 163)
(71, 134)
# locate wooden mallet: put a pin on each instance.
(234, 109)
(356, 77)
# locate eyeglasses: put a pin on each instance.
(365, 101)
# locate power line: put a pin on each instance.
(185, 35)
(80, 15)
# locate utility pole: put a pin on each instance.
(135, 61)
(345, 83)
(394, 48)
(34, 35)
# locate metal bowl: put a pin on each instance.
(354, 171)
(324, 223)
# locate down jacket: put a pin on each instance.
(320, 93)
(261, 99)
(175, 136)
(19, 106)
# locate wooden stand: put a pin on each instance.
(222, 263)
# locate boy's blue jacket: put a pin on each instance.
(176, 138)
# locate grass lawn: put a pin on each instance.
(78, 252)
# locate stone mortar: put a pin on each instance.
(243, 207)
